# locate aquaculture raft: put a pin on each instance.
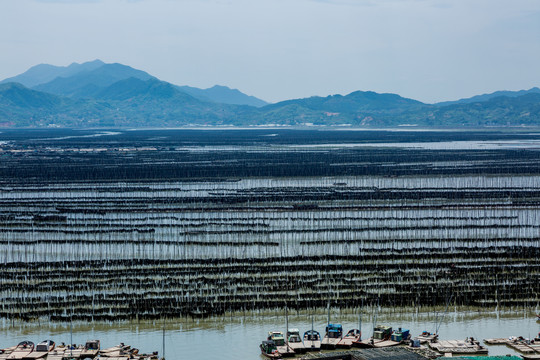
(399, 353)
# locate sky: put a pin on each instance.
(428, 50)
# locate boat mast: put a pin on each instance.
(286, 324)
(328, 312)
(163, 356)
(445, 312)
(360, 320)
(375, 318)
(71, 332)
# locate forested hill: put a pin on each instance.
(96, 94)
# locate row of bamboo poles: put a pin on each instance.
(131, 250)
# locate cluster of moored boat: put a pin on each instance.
(47, 350)
(277, 345)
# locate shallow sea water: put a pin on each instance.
(238, 336)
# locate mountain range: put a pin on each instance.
(96, 94)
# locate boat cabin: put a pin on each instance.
(269, 347)
(312, 335)
(276, 337)
(400, 335)
(381, 332)
(45, 346)
(293, 332)
(294, 338)
(92, 345)
(334, 331)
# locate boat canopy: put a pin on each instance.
(293, 332)
(44, 345)
(312, 335)
(277, 337)
(269, 346)
(334, 327)
(92, 345)
(294, 338)
(334, 330)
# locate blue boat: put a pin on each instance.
(334, 333)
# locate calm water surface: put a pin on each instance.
(238, 337)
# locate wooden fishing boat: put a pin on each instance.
(381, 334)
(426, 337)
(295, 342)
(120, 353)
(312, 340)
(41, 350)
(57, 353)
(23, 349)
(396, 338)
(467, 346)
(91, 349)
(348, 340)
(282, 347)
(400, 335)
(119, 347)
(531, 357)
(334, 333)
(73, 351)
(269, 349)
(8, 350)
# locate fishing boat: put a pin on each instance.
(7, 351)
(426, 337)
(269, 349)
(91, 349)
(348, 340)
(334, 333)
(117, 348)
(381, 334)
(57, 353)
(41, 350)
(312, 340)
(281, 345)
(23, 349)
(531, 357)
(295, 342)
(381, 338)
(468, 346)
(400, 336)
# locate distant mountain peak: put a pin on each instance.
(489, 96)
(44, 73)
(223, 94)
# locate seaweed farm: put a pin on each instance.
(170, 224)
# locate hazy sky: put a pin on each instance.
(429, 50)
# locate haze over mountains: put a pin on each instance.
(96, 94)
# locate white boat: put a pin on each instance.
(281, 345)
(295, 342)
(312, 340)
